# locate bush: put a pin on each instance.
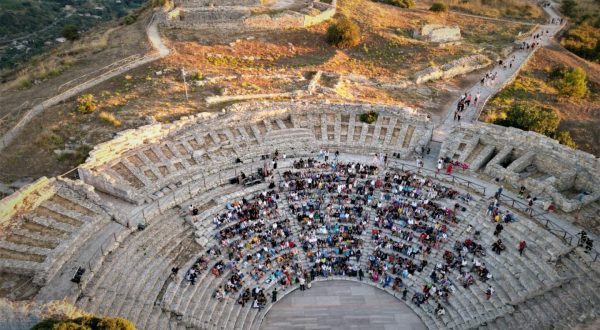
(86, 103)
(584, 41)
(569, 7)
(343, 34)
(369, 117)
(197, 76)
(70, 32)
(86, 323)
(128, 20)
(158, 3)
(564, 137)
(439, 7)
(400, 3)
(110, 118)
(531, 118)
(570, 82)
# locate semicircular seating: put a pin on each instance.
(172, 237)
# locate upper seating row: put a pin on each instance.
(139, 165)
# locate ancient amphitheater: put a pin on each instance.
(127, 221)
(195, 224)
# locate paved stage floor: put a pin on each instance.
(341, 305)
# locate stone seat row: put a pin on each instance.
(219, 317)
(133, 276)
(44, 236)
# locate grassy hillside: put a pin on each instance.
(536, 87)
(29, 27)
(583, 34)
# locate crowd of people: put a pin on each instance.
(327, 211)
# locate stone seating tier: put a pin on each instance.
(45, 229)
(463, 304)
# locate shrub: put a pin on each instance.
(400, 3)
(343, 34)
(86, 323)
(86, 103)
(569, 7)
(439, 7)
(70, 32)
(24, 82)
(197, 76)
(564, 137)
(128, 20)
(583, 40)
(110, 118)
(531, 118)
(369, 117)
(158, 3)
(570, 82)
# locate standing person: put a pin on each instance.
(449, 168)
(489, 292)
(274, 295)
(522, 246)
(477, 96)
(361, 274)
(404, 293)
(498, 230)
(439, 165)
(302, 283)
(499, 191)
(529, 204)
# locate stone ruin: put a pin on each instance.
(147, 178)
(128, 167)
(449, 70)
(246, 14)
(438, 33)
(570, 178)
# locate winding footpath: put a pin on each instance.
(519, 57)
(160, 51)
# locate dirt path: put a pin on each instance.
(504, 76)
(160, 51)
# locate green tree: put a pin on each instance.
(343, 34)
(70, 32)
(439, 7)
(570, 82)
(531, 118)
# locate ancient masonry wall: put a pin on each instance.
(452, 69)
(199, 147)
(571, 178)
(230, 15)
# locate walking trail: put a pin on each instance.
(504, 77)
(160, 51)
